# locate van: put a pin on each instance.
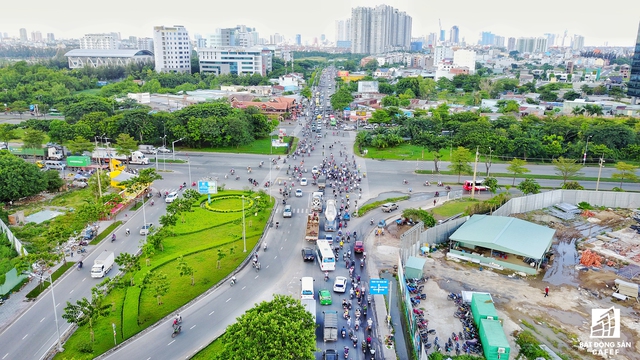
(307, 292)
(54, 165)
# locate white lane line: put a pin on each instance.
(275, 257)
(5, 355)
(211, 312)
(84, 279)
(169, 344)
(257, 276)
(58, 304)
(267, 266)
(244, 287)
(42, 320)
(24, 337)
(229, 299)
(70, 291)
(192, 327)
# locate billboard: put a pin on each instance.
(343, 73)
(207, 187)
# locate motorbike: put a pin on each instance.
(437, 194)
(113, 237)
(176, 331)
(346, 352)
(233, 281)
(371, 221)
(344, 333)
(426, 183)
(79, 265)
(326, 276)
(265, 247)
(238, 177)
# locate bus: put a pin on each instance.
(326, 258)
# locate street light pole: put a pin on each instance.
(451, 146)
(173, 148)
(164, 154)
(55, 312)
(600, 171)
(584, 159)
(244, 237)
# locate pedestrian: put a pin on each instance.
(546, 291)
(434, 202)
(349, 321)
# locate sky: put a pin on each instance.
(598, 23)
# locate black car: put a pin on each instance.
(330, 354)
(308, 255)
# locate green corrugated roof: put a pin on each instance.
(415, 263)
(506, 234)
(494, 333)
(482, 306)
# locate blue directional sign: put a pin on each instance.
(379, 286)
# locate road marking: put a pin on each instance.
(275, 258)
(229, 299)
(267, 266)
(211, 312)
(244, 287)
(169, 344)
(70, 291)
(84, 279)
(57, 304)
(257, 276)
(192, 327)
(7, 354)
(25, 337)
(42, 320)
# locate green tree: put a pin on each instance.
(460, 162)
(86, 312)
(125, 144)
(129, 263)
(186, 270)
(157, 282)
(7, 133)
(95, 188)
(572, 185)
(571, 95)
(79, 145)
(390, 100)
(33, 139)
(566, 168)
(492, 184)
(179, 207)
(306, 92)
(529, 186)
(54, 181)
(279, 329)
(221, 255)
(18, 178)
(341, 98)
(625, 171)
(517, 167)
(420, 215)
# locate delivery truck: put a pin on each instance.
(102, 265)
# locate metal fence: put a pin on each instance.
(414, 239)
(13, 240)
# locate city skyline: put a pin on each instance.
(496, 16)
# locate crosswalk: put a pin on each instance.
(295, 211)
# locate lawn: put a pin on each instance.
(406, 152)
(260, 146)
(210, 351)
(454, 207)
(200, 240)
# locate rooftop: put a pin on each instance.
(108, 53)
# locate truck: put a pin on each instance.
(322, 182)
(53, 152)
(90, 232)
(330, 213)
(316, 201)
(478, 187)
(330, 325)
(77, 162)
(105, 154)
(147, 149)
(310, 306)
(102, 265)
(313, 227)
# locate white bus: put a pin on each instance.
(326, 258)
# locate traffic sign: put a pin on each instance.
(379, 286)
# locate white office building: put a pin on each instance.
(465, 58)
(235, 60)
(145, 44)
(98, 42)
(172, 49)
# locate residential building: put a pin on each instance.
(145, 44)
(487, 39)
(633, 87)
(343, 30)
(36, 36)
(441, 54)
(551, 39)
(235, 60)
(454, 35)
(442, 39)
(526, 45)
(499, 41)
(511, 44)
(276, 39)
(578, 43)
(51, 37)
(465, 59)
(625, 71)
(432, 40)
(416, 46)
(172, 49)
(298, 39)
(79, 58)
(379, 30)
(23, 35)
(98, 42)
(541, 45)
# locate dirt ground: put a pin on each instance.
(564, 315)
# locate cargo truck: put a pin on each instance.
(330, 213)
(322, 182)
(316, 201)
(313, 227)
(105, 154)
(147, 149)
(77, 162)
(47, 153)
(330, 326)
(102, 265)
(310, 306)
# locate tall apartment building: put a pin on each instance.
(551, 39)
(578, 43)
(235, 60)
(511, 44)
(432, 39)
(23, 35)
(36, 36)
(541, 45)
(145, 44)
(298, 39)
(526, 45)
(276, 39)
(172, 49)
(379, 30)
(633, 87)
(454, 35)
(343, 30)
(487, 38)
(98, 42)
(499, 41)
(241, 35)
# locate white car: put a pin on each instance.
(172, 196)
(303, 182)
(298, 192)
(146, 229)
(340, 285)
(163, 150)
(315, 170)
